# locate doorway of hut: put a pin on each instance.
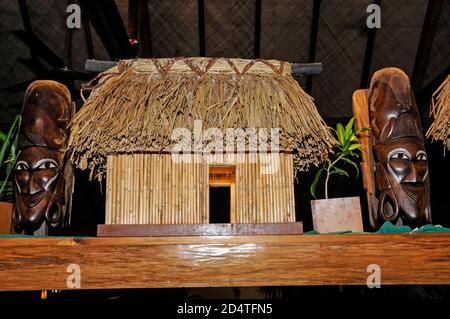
(222, 198)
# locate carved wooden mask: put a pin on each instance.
(401, 165)
(43, 178)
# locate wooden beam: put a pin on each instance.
(132, 19)
(144, 35)
(88, 35)
(258, 14)
(426, 43)
(201, 27)
(266, 260)
(370, 44)
(105, 18)
(174, 230)
(313, 40)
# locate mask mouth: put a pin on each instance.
(412, 186)
(413, 190)
(31, 200)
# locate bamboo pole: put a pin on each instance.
(250, 191)
(145, 189)
(266, 199)
(290, 184)
(110, 214)
(206, 204)
(119, 189)
(270, 196)
(244, 192)
(194, 192)
(238, 190)
(190, 187)
(134, 178)
(259, 194)
(108, 205)
(125, 190)
(274, 193)
(256, 218)
(279, 186)
(135, 175)
(168, 196)
(159, 171)
(286, 186)
(151, 184)
(130, 176)
(282, 180)
(157, 180)
(141, 188)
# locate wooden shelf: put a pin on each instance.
(262, 260)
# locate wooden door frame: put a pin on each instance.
(227, 180)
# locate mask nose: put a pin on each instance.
(31, 186)
(413, 175)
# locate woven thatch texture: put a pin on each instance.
(135, 107)
(440, 112)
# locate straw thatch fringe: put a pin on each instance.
(134, 108)
(440, 113)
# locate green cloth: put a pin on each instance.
(389, 228)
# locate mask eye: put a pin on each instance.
(421, 156)
(400, 155)
(48, 164)
(21, 166)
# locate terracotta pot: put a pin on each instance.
(337, 214)
(5, 217)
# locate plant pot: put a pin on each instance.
(6, 210)
(337, 214)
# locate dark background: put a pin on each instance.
(414, 35)
(36, 44)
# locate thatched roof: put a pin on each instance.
(135, 106)
(440, 113)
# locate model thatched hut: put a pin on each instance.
(143, 112)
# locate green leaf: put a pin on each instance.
(362, 130)
(312, 188)
(340, 133)
(346, 145)
(354, 154)
(354, 147)
(2, 137)
(349, 127)
(352, 163)
(12, 134)
(340, 171)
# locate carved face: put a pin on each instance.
(404, 168)
(40, 172)
(37, 180)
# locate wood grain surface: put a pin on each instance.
(200, 230)
(361, 112)
(265, 260)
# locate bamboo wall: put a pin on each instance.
(265, 198)
(152, 189)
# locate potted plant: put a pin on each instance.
(338, 214)
(8, 157)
